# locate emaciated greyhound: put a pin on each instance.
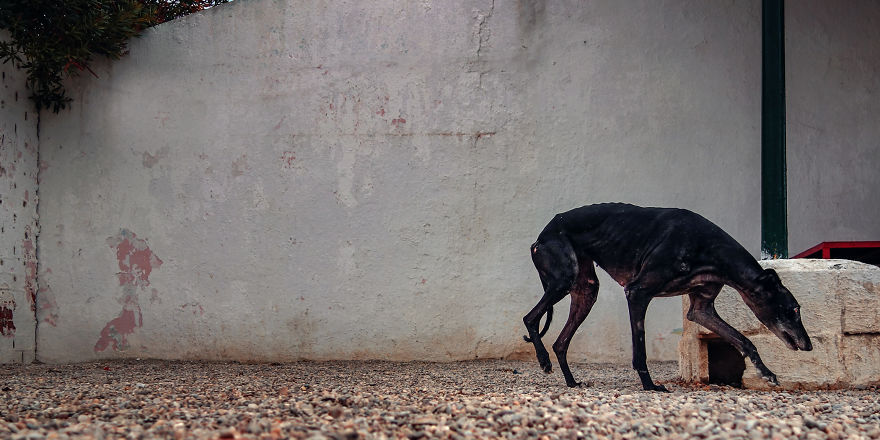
(654, 252)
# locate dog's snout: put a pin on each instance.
(806, 345)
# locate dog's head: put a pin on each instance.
(776, 308)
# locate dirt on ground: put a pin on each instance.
(375, 399)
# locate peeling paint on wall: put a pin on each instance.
(30, 262)
(148, 160)
(136, 262)
(19, 173)
(239, 166)
(48, 306)
(7, 306)
(195, 308)
(288, 158)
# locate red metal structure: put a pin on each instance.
(864, 251)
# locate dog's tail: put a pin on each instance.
(546, 325)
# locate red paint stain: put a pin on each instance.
(43, 167)
(239, 166)
(162, 117)
(48, 304)
(113, 334)
(7, 326)
(278, 125)
(30, 267)
(398, 122)
(288, 157)
(195, 308)
(381, 111)
(50, 313)
(136, 262)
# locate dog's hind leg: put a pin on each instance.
(583, 296)
(549, 313)
(557, 266)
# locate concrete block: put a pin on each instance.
(839, 302)
(809, 281)
(861, 358)
(820, 368)
(860, 297)
(693, 363)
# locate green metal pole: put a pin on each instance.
(774, 217)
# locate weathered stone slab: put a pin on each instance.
(860, 294)
(819, 368)
(839, 302)
(861, 358)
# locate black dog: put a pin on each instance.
(654, 252)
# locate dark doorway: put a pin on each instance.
(726, 364)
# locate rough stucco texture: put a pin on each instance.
(18, 219)
(335, 180)
(832, 99)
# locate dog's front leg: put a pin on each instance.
(638, 307)
(702, 311)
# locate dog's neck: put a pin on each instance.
(745, 279)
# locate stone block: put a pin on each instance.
(861, 358)
(860, 297)
(810, 281)
(839, 302)
(816, 369)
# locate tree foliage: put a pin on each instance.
(55, 39)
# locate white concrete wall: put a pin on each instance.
(18, 218)
(833, 99)
(285, 179)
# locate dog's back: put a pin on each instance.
(620, 237)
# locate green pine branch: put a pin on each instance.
(54, 39)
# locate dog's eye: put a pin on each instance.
(797, 309)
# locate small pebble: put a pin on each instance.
(415, 400)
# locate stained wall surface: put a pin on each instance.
(19, 171)
(277, 180)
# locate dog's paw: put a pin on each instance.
(771, 379)
(527, 339)
(658, 388)
(578, 384)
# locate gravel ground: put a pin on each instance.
(477, 399)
